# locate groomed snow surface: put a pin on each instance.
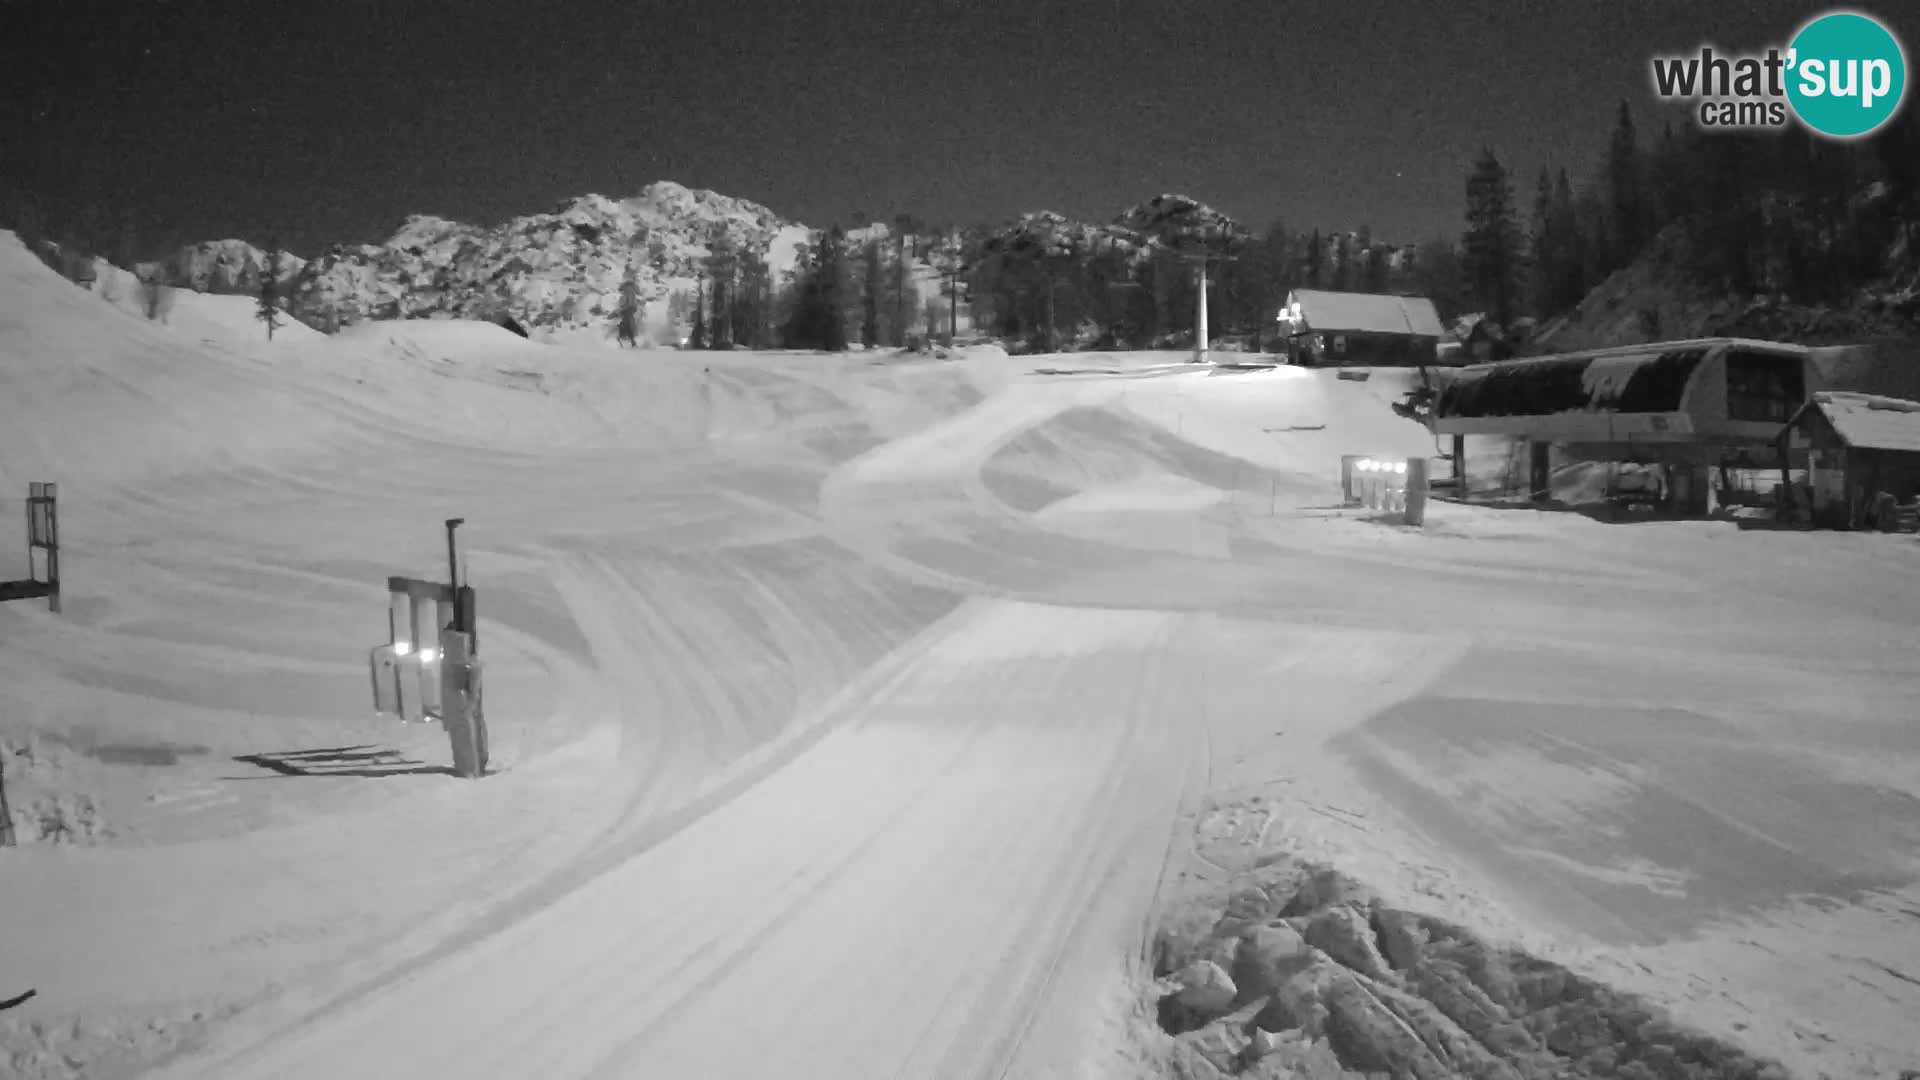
(874, 716)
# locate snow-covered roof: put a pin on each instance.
(1649, 379)
(1368, 313)
(1872, 421)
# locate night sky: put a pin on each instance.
(330, 121)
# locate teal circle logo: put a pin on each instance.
(1848, 74)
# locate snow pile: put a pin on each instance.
(1288, 969)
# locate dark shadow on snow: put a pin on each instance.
(342, 761)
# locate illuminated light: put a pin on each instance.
(401, 648)
(428, 656)
(1399, 466)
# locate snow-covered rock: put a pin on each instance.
(1205, 988)
(223, 266)
(556, 271)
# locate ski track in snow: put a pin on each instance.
(852, 717)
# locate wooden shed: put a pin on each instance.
(1862, 454)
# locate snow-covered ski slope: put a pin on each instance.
(851, 712)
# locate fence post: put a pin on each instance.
(53, 547)
(6, 812)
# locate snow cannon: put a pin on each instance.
(429, 669)
(1391, 485)
(406, 670)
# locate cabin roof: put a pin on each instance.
(1870, 421)
(1368, 313)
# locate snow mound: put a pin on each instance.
(95, 396)
(204, 316)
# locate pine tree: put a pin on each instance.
(269, 309)
(698, 339)
(1570, 273)
(1626, 192)
(1439, 274)
(1316, 261)
(1282, 264)
(1375, 272)
(629, 325)
(1343, 263)
(1666, 177)
(833, 298)
(904, 294)
(870, 280)
(1548, 251)
(1492, 241)
(679, 312)
(753, 288)
(722, 264)
(950, 260)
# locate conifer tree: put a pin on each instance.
(268, 310)
(1492, 243)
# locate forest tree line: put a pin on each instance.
(1777, 212)
(1780, 213)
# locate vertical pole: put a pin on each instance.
(1460, 467)
(53, 547)
(396, 622)
(6, 812)
(413, 623)
(460, 708)
(1540, 475)
(1417, 486)
(460, 694)
(1200, 319)
(453, 564)
(33, 528)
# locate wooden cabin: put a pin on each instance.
(1862, 459)
(1344, 329)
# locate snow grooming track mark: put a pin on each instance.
(245, 1051)
(916, 953)
(950, 803)
(1089, 998)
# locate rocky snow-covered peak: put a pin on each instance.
(225, 266)
(559, 270)
(1180, 221)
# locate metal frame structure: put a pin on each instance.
(439, 683)
(43, 534)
